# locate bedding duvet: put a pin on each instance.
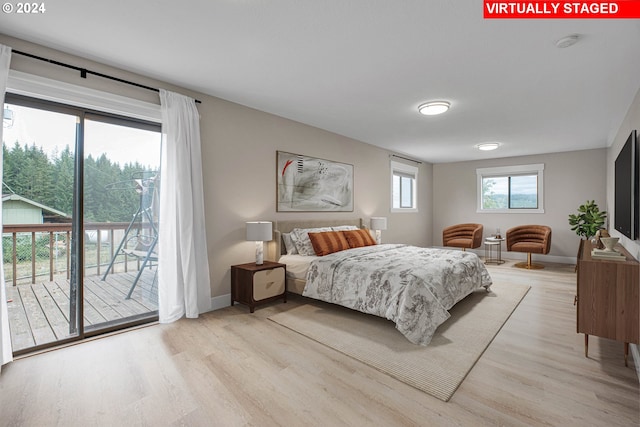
(411, 286)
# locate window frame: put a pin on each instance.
(407, 171)
(508, 172)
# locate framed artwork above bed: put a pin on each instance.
(309, 184)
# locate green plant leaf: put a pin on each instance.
(589, 219)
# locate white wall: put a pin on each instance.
(570, 179)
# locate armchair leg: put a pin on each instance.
(529, 265)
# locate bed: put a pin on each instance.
(413, 287)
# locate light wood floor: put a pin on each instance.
(232, 368)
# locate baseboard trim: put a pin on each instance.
(220, 302)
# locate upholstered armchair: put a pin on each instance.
(465, 236)
(532, 239)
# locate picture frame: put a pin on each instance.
(311, 184)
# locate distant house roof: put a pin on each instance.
(15, 197)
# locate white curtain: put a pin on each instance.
(183, 266)
(6, 353)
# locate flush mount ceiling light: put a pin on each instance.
(567, 41)
(433, 108)
(488, 146)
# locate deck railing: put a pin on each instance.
(34, 250)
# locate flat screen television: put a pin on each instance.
(627, 198)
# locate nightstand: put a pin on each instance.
(253, 284)
(489, 244)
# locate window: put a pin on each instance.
(511, 189)
(404, 182)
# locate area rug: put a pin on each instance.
(437, 369)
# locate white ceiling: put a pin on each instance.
(360, 68)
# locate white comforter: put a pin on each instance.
(413, 287)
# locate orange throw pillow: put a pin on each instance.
(359, 238)
(328, 242)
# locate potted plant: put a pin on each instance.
(588, 220)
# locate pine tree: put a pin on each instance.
(63, 181)
(109, 190)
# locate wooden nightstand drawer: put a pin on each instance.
(268, 283)
(253, 284)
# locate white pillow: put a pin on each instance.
(288, 244)
(344, 227)
(300, 237)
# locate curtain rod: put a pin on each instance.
(84, 72)
(406, 158)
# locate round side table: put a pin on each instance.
(491, 245)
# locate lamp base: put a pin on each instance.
(259, 253)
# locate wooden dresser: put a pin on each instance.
(608, 298)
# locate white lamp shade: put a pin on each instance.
(378, 223)
(259, 231)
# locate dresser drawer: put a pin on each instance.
(253, 284)
(268, 283)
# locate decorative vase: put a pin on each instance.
(609, 243)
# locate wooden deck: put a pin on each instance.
(39, 313)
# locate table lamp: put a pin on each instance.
(378, 223)
(259, 232)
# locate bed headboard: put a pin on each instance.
(275, 250)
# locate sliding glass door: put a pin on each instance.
(121, 190)
(37, 212)
(80, 196)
